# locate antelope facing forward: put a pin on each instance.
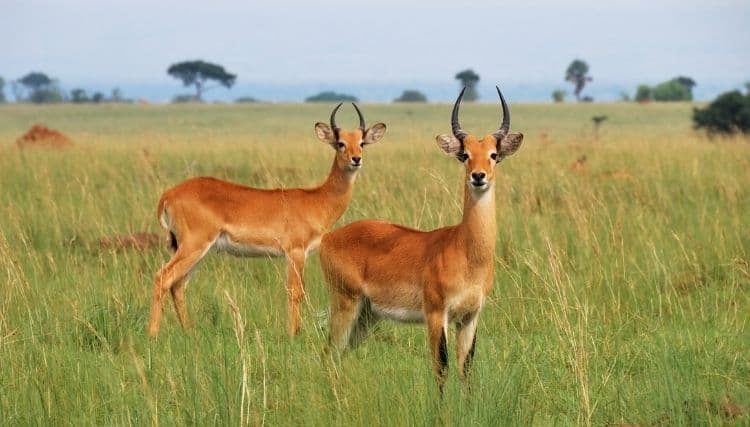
(375, 269)
(204, 213)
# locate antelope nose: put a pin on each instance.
(356, 160)
(478, 176)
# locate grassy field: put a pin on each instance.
(622, 289)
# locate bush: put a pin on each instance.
(331, 96)
(411, 96)
(677, 89)
(245, 100)
(79, 96)
(643, 93)
(672, 90)
(558, 95)
(727, 114)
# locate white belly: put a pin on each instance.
(226, 244)
(399, 314)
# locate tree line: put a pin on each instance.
(729, 113)
(39, 88)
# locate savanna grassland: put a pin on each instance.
(622, 288)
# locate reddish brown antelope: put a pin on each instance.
(375, 269)
(204, 213)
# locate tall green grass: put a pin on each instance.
(621, 294)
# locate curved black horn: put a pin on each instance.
(457, 131)
(362, 125)
(333, 118)
(502, 131)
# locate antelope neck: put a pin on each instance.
(478, 227)
(337, 189)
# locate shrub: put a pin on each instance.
(643, 93)
(558, 95)
(729, 113)
(672, 90)
(411, 96)
(330, 96)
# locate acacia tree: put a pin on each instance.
(39, 87)
(577, 73)
(2, 90)
(469, 80)
(197, 73)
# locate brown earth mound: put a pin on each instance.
(140, 241)
(42, 136)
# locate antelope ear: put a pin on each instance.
(374, 134)
(449, 144)
(325, 133)
(509, 145)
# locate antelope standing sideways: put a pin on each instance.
(204, 213)
(375, 269)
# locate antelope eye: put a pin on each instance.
(493, 156)
(340, 145)
(462, 157)
(361, 144)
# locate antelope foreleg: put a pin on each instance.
(295, 287)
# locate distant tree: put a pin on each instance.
(729, 113)
(587, 98)
(578, 74)
(331, 96)
(39, 88)
(2, 90)
(35, 80)
(78, 96)
(245, 100)
(672, 90)
(643, 93)
(469, 80)
(411, 96)
(598, 120)
(685, 81)
(624, 96)
(197, 73)
(97, 97)
(558, 95)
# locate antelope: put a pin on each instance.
(375, 269)
(204, 213)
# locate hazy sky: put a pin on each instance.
(97, 41)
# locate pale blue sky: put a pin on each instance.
(525, 42)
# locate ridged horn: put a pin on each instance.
(362, 125)
(333, 119)
(502, 131)
(457, 131)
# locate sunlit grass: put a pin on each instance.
(621, 290)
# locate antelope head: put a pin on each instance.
(349, 144)
(480, 156)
